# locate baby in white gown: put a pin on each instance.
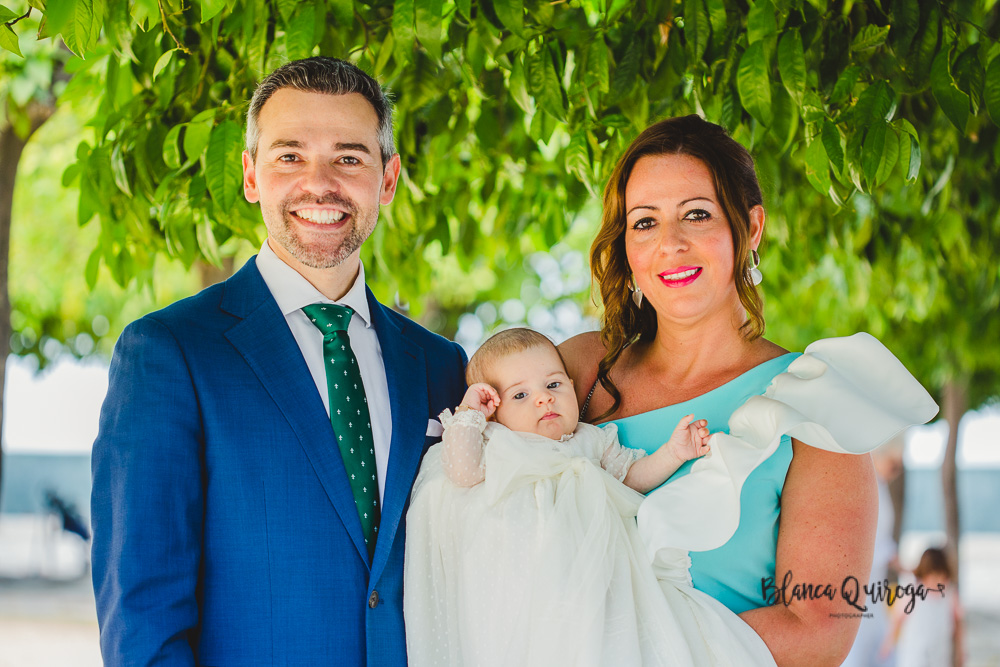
(521, 543)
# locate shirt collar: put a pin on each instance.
(292, 291)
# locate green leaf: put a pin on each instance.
(162, 62)
(890, 154)
(7, 14)
(991, 90)
(598, 70)
(196, 135)
(953, 101)
(223, 169)
(299, 35)
(118, 170)
(553, 100)
(8, 40)
(465, 9)
(909, 151)
(761, 21)
(627, 72)
(905, 23)
(792, 65)
(286, 8)
(754, 83)
(832, 143)
(870, 37)
(207, 243)
(518, 86)
(93, 265)
(697, 28)
(845, 84)
(79, 31)
(818, 168)
(403, 22)
(873, 151)
(717, 17)
(578, 159)
(511, 14)
(429, 26)
(211, 8)
(875, 103)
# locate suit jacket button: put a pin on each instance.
(373, 599)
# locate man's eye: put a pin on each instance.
(288, 157)
(554, 384)
(642, 223)
(519, 395)
(350, 159)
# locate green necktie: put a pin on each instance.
(349, 414)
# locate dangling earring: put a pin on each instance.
(636, 293)
(755, 275)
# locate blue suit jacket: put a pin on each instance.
(225, 532)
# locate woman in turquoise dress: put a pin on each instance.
(785, 495)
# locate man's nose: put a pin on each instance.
(320, 178)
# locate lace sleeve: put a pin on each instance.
(462, 455)
(617, 459)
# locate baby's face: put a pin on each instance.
(536, 395)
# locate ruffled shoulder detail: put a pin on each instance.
(846, 395)
(472, 418)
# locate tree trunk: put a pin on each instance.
(211, 275)
(955, 405)
(11, 147)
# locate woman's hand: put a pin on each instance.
(482, 397)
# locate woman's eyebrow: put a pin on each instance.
(649, 207)
(688, 201)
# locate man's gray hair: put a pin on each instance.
(331, 76)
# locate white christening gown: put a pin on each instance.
(541, 564)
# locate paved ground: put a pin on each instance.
(47, 616)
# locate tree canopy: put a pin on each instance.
(874, 125)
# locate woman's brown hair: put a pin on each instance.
(738, 191)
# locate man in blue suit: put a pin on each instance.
(233, 525)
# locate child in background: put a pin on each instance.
(932, 631)
(522, 547)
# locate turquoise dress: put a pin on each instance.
(731, 573)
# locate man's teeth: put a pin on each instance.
(320, 215)
(679, 276)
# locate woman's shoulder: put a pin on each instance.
(581, 354)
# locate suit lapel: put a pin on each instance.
(406, 376)
(266, 343)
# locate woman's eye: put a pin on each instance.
(642, 223)
(554, 384)
(697, 214)
(519, 395)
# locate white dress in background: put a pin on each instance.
(541, 563)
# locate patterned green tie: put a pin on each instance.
(349, 412)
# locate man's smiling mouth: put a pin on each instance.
(322, 216)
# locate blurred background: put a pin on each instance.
(875, 126)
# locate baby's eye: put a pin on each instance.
(642, 223)
(519, 395)
(554, 384)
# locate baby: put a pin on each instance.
(521, 541)
(518, 379)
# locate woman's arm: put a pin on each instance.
(829, 508)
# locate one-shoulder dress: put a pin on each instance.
(846, 395)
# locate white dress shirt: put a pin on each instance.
(292, 292)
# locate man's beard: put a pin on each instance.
(328, 253)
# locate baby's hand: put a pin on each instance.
(690, 439)
(482, 397)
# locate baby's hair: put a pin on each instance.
(933, 561)
(500, 345)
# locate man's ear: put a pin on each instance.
(390, 178)
(250, 179)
